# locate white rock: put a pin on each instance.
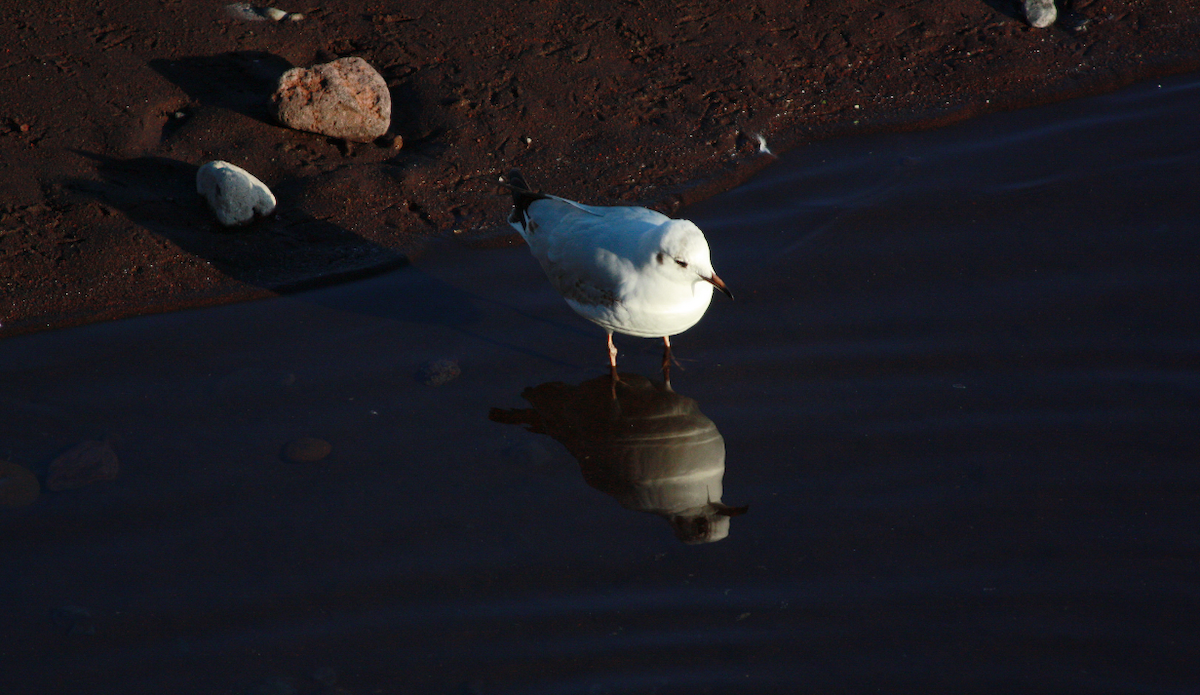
(1040, 13)
(233, 193)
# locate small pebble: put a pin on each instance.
(19, 487)
(87, 462)
(1074, 22)
(762, 143)
(246, 12)
(306, 450)
(233, 193)
(440, 372)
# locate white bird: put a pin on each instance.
(627, 269)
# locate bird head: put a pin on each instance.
(682, 254)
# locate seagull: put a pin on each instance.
(626, 269)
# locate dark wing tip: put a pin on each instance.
(523, 197)
(515, 180)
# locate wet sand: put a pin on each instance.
(108, 111)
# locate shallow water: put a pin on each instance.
(958, 391)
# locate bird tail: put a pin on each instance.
(523, 197)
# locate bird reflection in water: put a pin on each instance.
(647, 446)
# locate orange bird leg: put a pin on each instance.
(612, 357)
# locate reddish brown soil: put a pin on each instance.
(107, 109)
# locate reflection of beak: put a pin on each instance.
(726, 510)
(719, 284)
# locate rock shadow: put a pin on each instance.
(286, 253)
(240, 81)
(1013, 9)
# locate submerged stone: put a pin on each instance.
(306, 450)
(86, 463)
(440, 372)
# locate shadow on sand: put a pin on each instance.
(241, 81)
(286, 253)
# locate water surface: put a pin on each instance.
(958, 392)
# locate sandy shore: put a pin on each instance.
(108, 111)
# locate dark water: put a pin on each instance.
(958, 390)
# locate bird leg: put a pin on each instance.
(666, 364)
(612, 358)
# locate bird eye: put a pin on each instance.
(660, 259)
(681, 264)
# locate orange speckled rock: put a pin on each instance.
(344, 99)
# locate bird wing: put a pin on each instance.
(589, 252)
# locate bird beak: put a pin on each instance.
(719, 284)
